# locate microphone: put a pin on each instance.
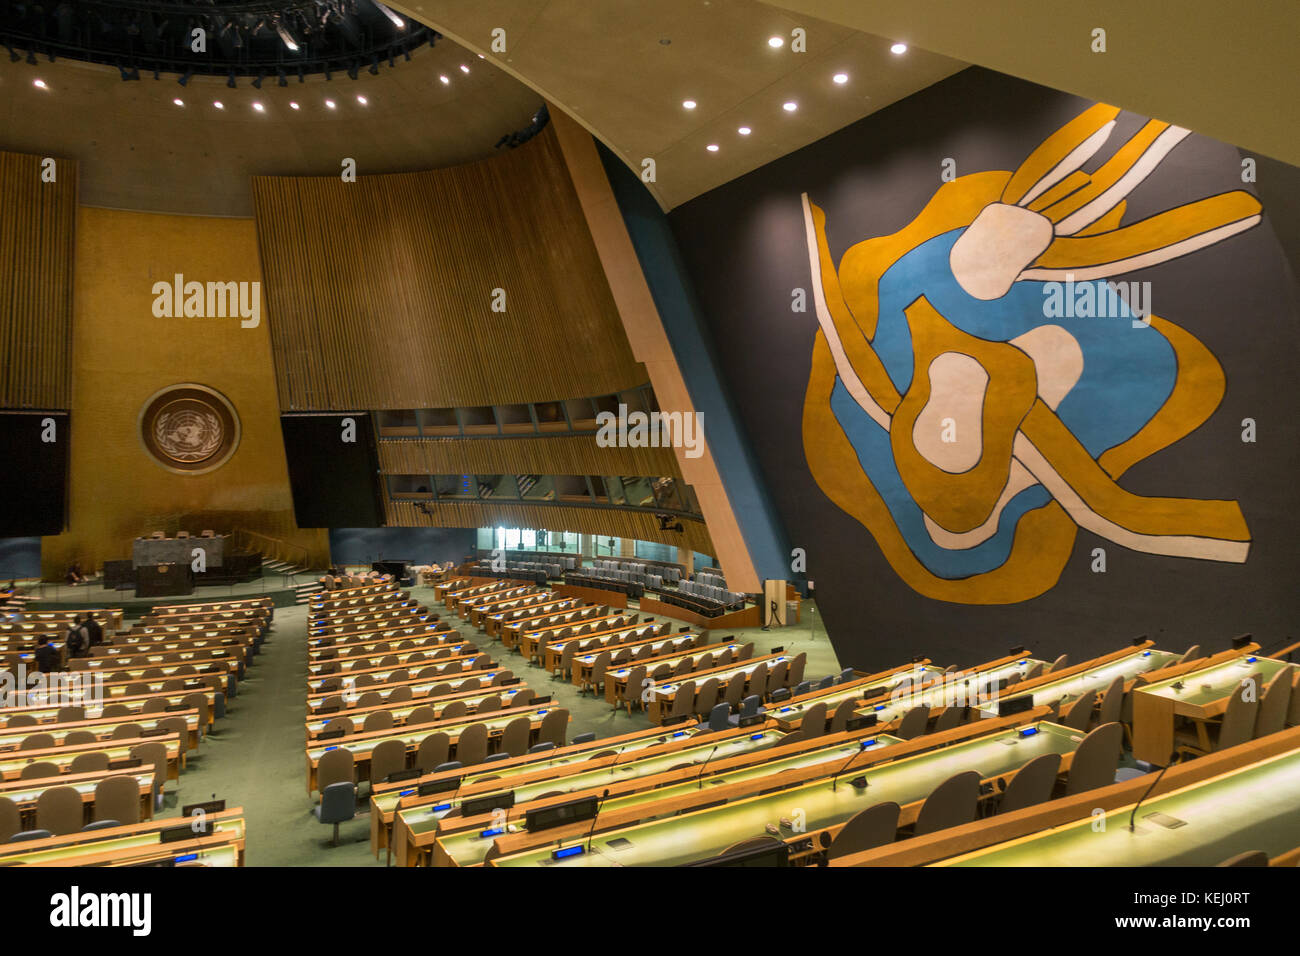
(700, 779)
(592, 832)
(1132, 817)
(845, 766)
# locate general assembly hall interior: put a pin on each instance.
(461, 433)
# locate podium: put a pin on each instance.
(163, 580)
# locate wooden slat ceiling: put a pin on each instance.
(37, 226)
(380, 292)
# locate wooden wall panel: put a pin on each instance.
(599, 521)
(380, 291)
(37, 229)
(559, 455)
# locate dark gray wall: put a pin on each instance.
(743, 245)
(19, 558)
(418, 545)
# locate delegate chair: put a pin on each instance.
(472, 746)
(683, 701)
(749, 707)
(39, 769)
(719, 717)
(776, 677)
(514, 739)
(338, 804)
(840, 719)
(457, 708)
(59, 810)
(1190, 654)
(1238, 724)
(91, 762)
(387, 757)
(377, 720)
(814, 720)
(488, 704)
(1081, 711)
(1274, 703)
(953, 802)
(336, 766)
(1112, 702)
(555, 726)
(117, 798)
(735, 690)
(37, 742)
(434, 750)
(10, 819)
(1032, 785)
(950, 718)
(706, 697)
(632, 688)
(913, 722)
(872, 827)
(596, 680)
(424, 714)
(1095, 760)
(1060, 663)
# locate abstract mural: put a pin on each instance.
(980, 380)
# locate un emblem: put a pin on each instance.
(190, 429)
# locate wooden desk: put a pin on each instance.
(1199, 694)
(123, 845)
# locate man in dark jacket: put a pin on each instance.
(94, 630)
(47, 656)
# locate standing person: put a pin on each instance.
(78, 640)
(94, 630)
(47, 655)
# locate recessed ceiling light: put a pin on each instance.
(790, 107)
(898, 49)
(712, 147)
(39, 84)
(293, 105)
(482, 57)
(443, 77)
(362, 100)
(688, 104)
(330, 104)
(464, 68)
(775, 42)
(744, 131)
(178, 101)
(218, 104)
(259, 107)
(840, 78)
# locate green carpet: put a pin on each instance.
(255, 757)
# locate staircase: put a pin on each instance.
(277, 568)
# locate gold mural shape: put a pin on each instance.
(980, 380)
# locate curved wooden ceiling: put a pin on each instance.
(140, 151)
